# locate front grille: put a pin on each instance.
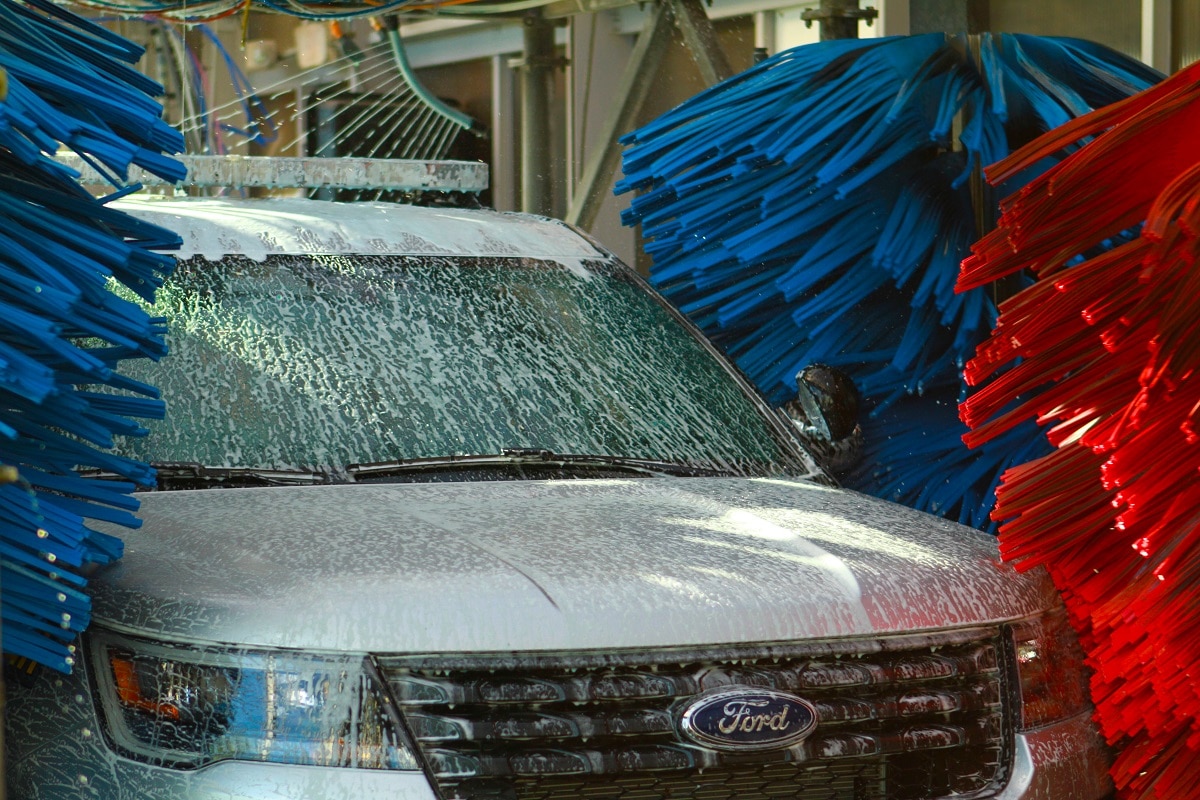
(899, 719)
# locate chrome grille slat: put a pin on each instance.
(519, 726)
(845, 781)
(819, 747)
(813, 674)
(892, 723)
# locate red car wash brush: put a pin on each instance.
(1103, 351)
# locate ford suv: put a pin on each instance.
(450, 505)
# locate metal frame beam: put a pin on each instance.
(701, 40)
(632, 92)
(698, 34)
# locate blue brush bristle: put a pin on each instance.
(813, 209)
(70, 83)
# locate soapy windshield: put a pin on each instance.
(317, 362)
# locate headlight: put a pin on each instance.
(1052, 679)
(185, 707)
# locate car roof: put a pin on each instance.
(217, 226)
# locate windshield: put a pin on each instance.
(318, 362)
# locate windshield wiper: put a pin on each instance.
(529, 456)
(193, 475)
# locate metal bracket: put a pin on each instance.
(839, 18)
(815, 14)
(545, 61)
(520, 62)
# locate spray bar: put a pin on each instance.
(283, 172)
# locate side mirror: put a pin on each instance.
(826, 413)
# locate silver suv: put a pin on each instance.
(451, 505)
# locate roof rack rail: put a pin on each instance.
(286, 172)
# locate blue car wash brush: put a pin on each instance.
(67, 82)
(815, 208)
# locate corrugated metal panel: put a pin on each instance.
(1116, 23)
(1185, 29)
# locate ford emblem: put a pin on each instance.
(745, 718)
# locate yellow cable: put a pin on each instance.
(245, 22)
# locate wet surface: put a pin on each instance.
(498, 566)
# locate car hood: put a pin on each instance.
(549, 565)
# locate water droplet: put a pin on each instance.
(83, 780)
(86, 733)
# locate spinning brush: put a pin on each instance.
(815, 208)
(68, 81)
(1106, 350)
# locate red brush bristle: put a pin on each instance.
(1099, 191)
(1105, 353)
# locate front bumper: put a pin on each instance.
(57, 753)
(1066, 761)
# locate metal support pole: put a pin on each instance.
(701, 40)
(605, 155)
(505, 122)
(839, 18)
(1156, 34)
(949, 16)
(537, 179)
(764, 35)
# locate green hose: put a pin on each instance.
(457, 117)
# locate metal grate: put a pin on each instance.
(922, 721)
